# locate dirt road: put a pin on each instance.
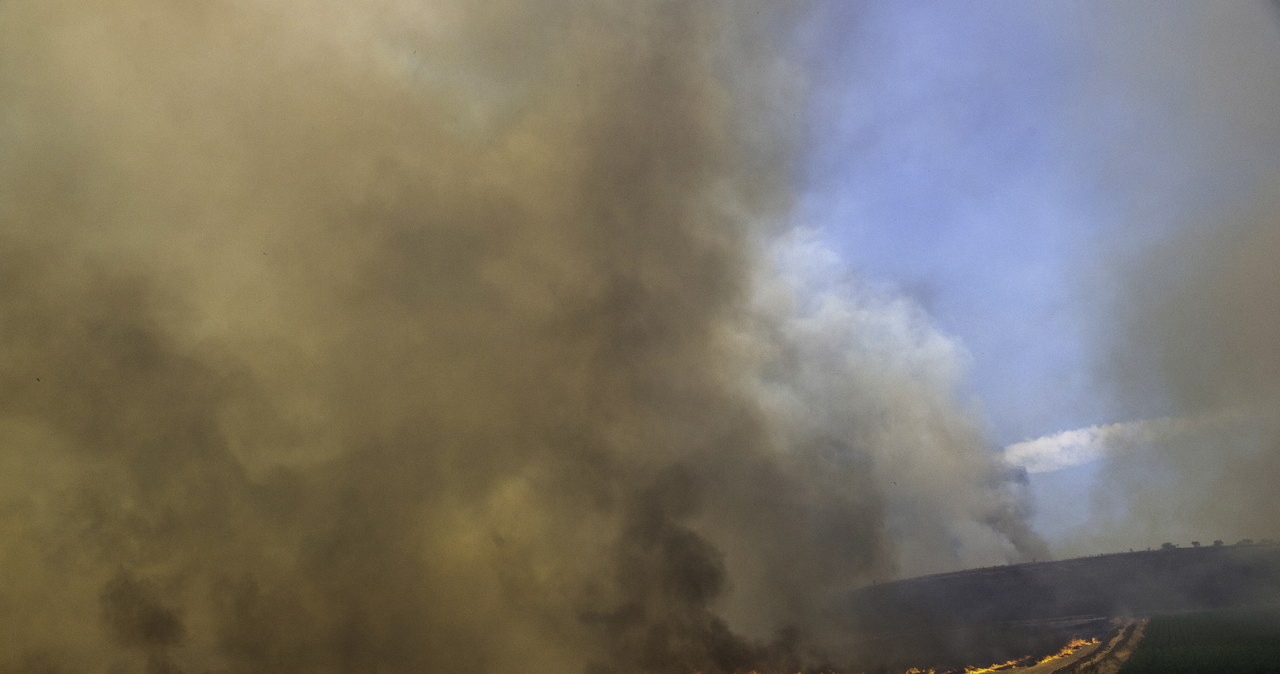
(1105, 658)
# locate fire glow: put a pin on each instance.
(995, 668)
(1073, 646)
(1017, 663)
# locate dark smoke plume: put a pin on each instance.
(435, 337)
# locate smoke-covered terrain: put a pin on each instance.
(440, 336)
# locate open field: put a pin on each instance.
(1007, 613)
(1227, 640)
(1145, 583)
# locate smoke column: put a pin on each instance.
(437, 337)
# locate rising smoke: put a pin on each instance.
(427, 337)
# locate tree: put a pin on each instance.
(1217, 543)
(1167, 546)
(1245, 541)
(1195, 544)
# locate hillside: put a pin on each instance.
(996, 613)
(1134, 583)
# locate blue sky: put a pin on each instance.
(999, 162)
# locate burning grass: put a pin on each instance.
(1070, 649)
(1016, 664)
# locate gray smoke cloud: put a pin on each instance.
(426, 337)
(1189, 317)
(1201, 326)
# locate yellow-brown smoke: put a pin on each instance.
(439, 336)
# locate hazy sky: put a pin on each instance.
(999, 162)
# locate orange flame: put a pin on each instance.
(1071, 647)
(994, 668)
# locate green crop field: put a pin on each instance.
(1234, 640)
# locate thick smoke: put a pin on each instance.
(427, 337)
